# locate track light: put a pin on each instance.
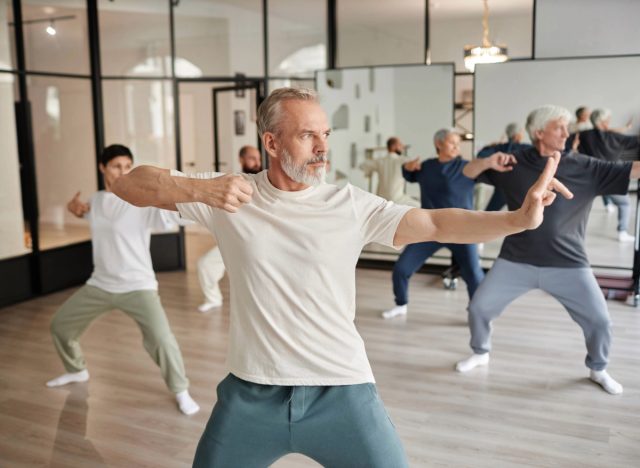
(51, 30)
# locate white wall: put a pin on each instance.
(576, 28)
(511, 90)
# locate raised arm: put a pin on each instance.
(501, 162)
(153, 186)
(465, 227)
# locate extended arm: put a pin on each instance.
(501, 162)
(153, 186)
(462, 226)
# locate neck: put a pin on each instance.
(282, 181)
(445, 158)
(544, 150)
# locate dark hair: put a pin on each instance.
(392, 141)
(113, 151)
(580, 110)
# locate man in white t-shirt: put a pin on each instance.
(299, 376)
(391, 184)
(122, 278)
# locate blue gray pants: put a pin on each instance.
(414, 256)
(624, 210)
(254, 425)
(575, 288)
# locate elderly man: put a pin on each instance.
(211, 266)
(299, 376)
(553, 257)
(515, 135)
(608, 144)
(391, 185)
(442, 185)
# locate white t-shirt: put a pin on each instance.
(391, 184)
(291, 259)
(120, 237)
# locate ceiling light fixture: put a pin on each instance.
(51, 30)
(487, 52)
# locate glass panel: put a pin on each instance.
(297, 37)
(219, 37)
(282, 83)
(139, 115)
(371, 32)
(56, 37)
(236, 126)
(454, 26)
(64, 155)
(14, 237)
(7, 54)
(135, 38)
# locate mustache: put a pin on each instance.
(321, 158)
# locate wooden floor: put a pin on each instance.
(532, 407)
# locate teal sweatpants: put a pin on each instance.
(254, 425)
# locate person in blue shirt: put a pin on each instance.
(515, 135)
(442, 185)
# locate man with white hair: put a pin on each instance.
(442, 185)
(299, 376)
(608, 144)
(553, 257)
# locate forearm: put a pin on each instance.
(153, 186)
(635, 170)
(455, 226)
(476, 167)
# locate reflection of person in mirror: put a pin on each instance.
(391, 185)
(553, 257)
(583, 120)
(609, 144)
(515, 135)
(211, 266)
(442, 185)
(300, 380)
(122, 278)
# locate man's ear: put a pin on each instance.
(270, 144)
(102, 168)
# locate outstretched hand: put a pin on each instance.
(542, 194)
(77, 206)
(413, 165)
(502, 162)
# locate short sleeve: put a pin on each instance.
(198, 212)
(378, 218)
(610, 178)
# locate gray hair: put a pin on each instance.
(441, 134)
(512, 130)
(540, 117)
(269, 112)
(600, 115)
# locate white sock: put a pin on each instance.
(603, 379)
(186, 404)
(472, 362)
(71, 377)
(207, 306)
(395, 312)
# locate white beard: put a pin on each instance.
(299, 173)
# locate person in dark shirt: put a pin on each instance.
(608, 144)
(515, 135)
(442, 185)
(553, 257)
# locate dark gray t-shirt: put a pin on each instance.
(559, 240)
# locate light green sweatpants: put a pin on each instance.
(143, 306)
